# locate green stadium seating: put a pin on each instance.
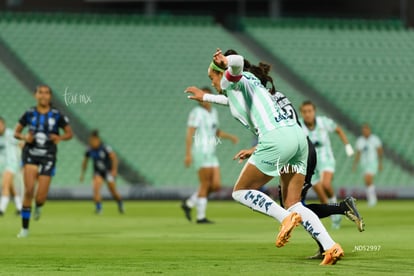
(364, 68)
(135, 70)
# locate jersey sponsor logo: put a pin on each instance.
(37, 152)
(51, 121)
(100, 165)
(40, 138)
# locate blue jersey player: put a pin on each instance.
(39, 153)
(105, 169)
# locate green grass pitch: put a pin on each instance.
(154, 238)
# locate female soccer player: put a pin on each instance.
(203, 128)
(105, 168)
(282, 144)
(347, 207)
(39, 152)
(369, 151)
(9, 167)
(317, 128)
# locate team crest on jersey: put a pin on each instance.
(51, 123)
(102, 154)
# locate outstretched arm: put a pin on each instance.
(348, 148)
(228, 136)
(199, 95)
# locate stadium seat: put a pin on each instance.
(362, 67)
(135, 70)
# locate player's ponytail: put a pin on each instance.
(261, 72)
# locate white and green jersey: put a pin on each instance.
(368, 147)
(250, 103)
(319, 136)
(206, 124)
(9, 150)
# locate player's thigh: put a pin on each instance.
(369, 179)
(43, 187)
(251, 178)
(30, 173)
(320, 192)
(327, 177)
(97, 182)
(7, 181)
(111, 184)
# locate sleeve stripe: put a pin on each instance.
(231, 78)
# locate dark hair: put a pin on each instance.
(94, 133)
(308, 102)
(2, 120)
(246, 63)
(262, 71)
(206, 88)
(44, 85)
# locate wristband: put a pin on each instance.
(349, 150)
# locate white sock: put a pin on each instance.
(332, 199)
(371, 195)
(260, 202)
(18, 202)
(4, 201)
(192, 200)
(201, 207)
(313, 225)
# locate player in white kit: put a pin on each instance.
(369, 155)
(318, 128)
(9, 167)
(203, 136)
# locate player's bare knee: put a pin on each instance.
(28, 193)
